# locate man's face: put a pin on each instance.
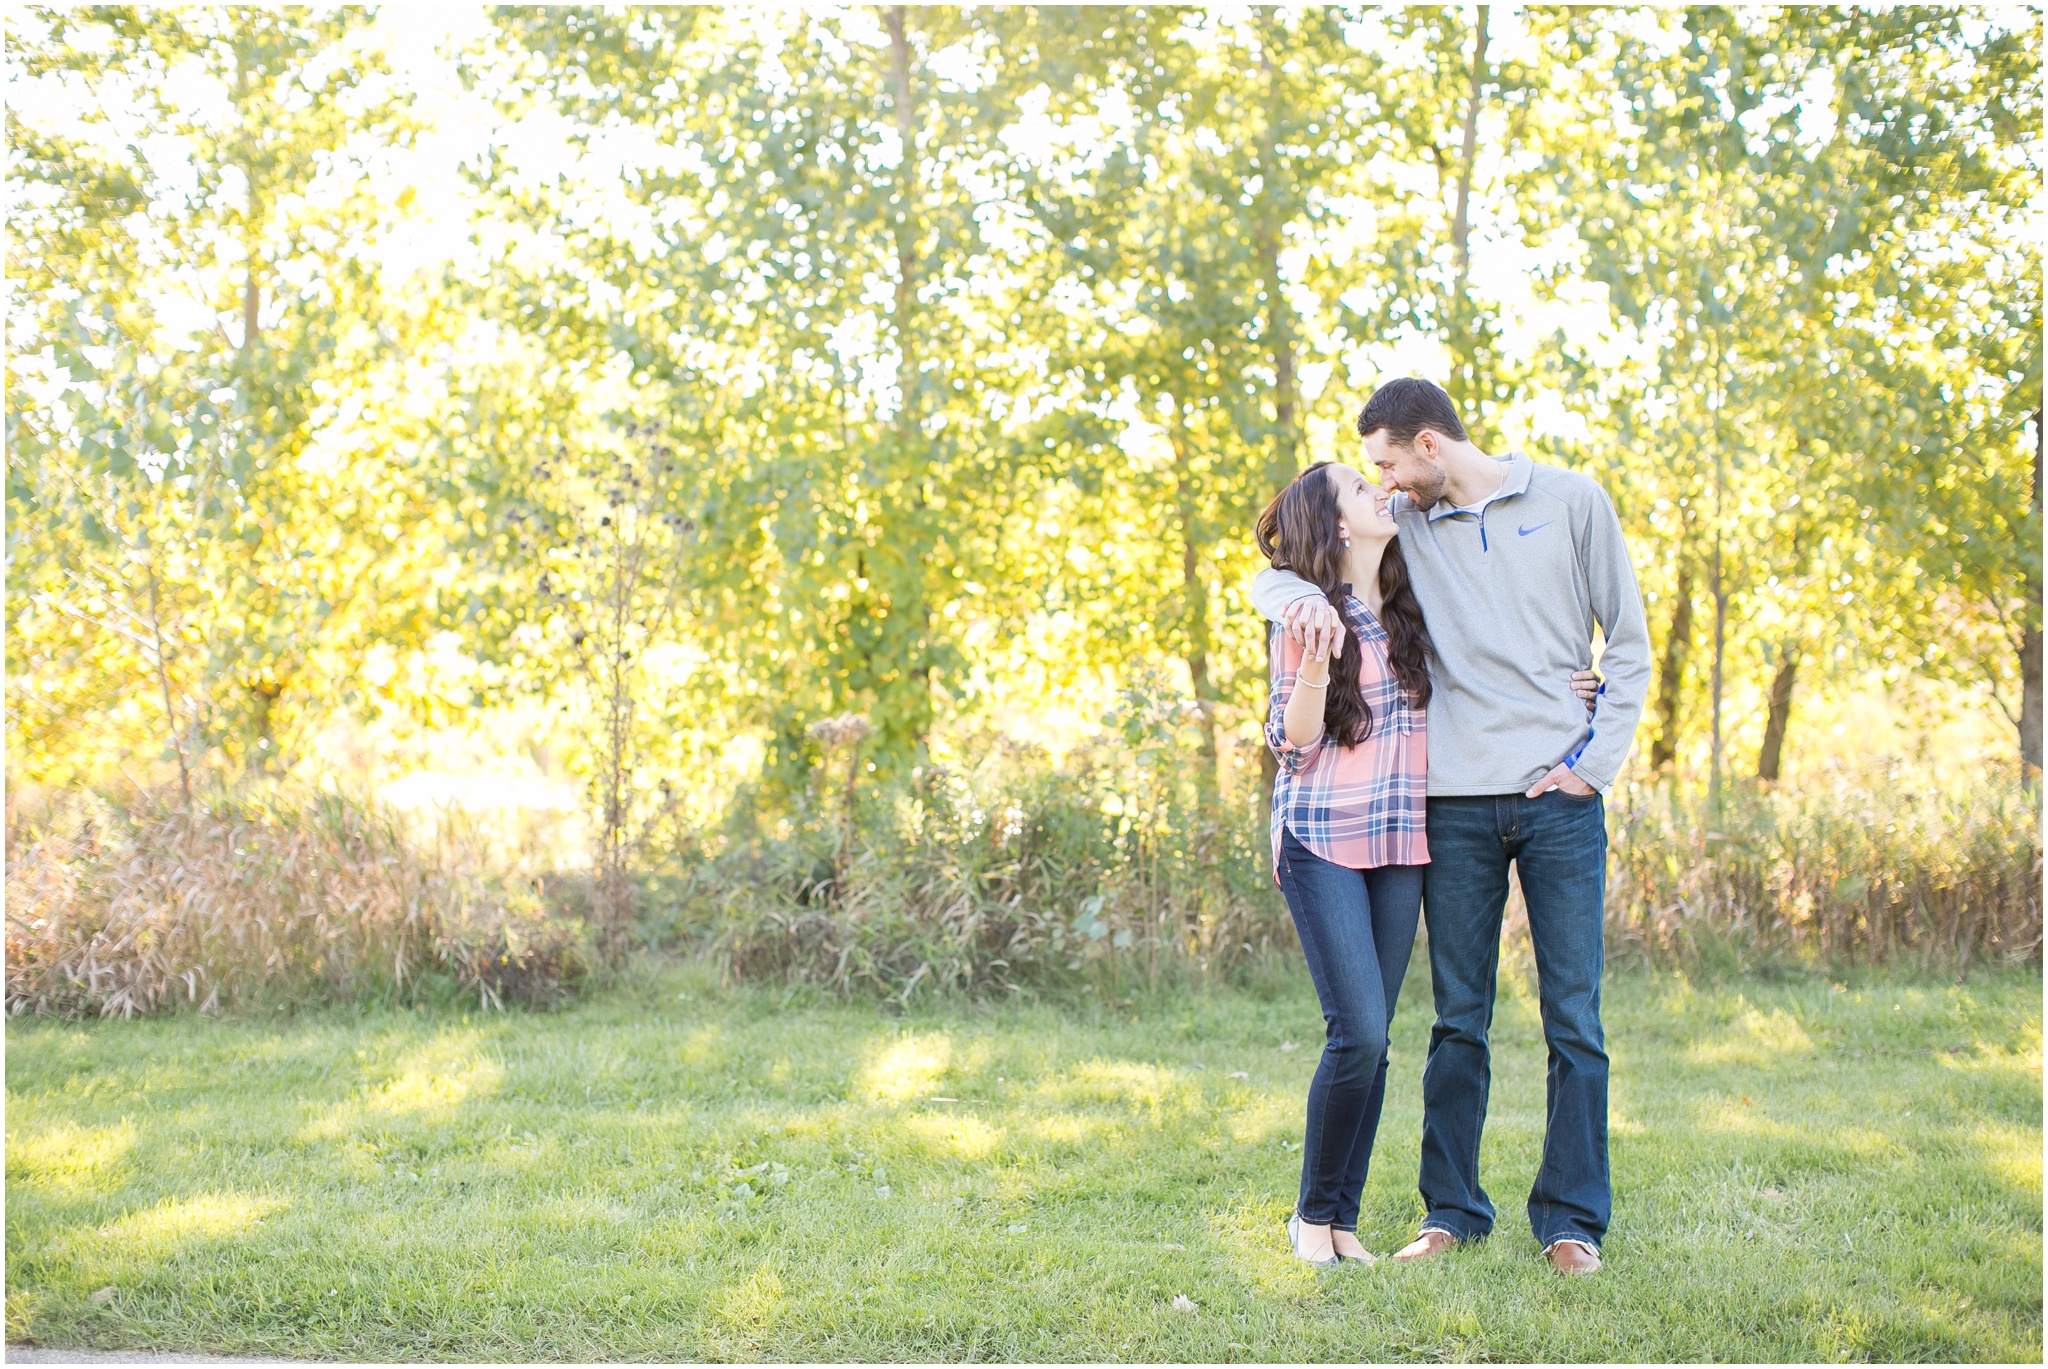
(1411, 468)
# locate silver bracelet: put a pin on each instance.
(1312, 684)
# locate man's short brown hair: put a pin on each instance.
(1405, 407)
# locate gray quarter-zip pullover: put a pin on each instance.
(1512, 595)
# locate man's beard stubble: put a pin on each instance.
(1424, 492)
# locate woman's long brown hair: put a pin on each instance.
(1298, 532)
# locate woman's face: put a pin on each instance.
(1362, 511)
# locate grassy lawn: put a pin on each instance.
(1802, 1171)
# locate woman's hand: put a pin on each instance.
(1586, 685)
(1316, 625)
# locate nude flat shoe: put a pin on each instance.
(1294, 1244)
(1368, 1259)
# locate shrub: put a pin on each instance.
(286, 896)
(1857, 863)
(1113, 866)
(1020, 872)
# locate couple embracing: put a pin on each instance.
(1435, 720)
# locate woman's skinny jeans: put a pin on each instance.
(1357, 928)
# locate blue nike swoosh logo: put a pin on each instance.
(1526, 531)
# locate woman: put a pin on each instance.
(1347, 722)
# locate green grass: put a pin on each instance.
(1802, 1171)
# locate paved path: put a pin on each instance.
(42, 1354)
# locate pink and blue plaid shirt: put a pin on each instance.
(1355, 806)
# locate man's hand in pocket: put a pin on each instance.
(1560, 777)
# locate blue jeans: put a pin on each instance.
(1559, 845)
(1357, 929)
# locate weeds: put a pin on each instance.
(608, 543)
(282, 896)
(1106, 869)
(1860, 864)
(1019, 872)
(1114, 869)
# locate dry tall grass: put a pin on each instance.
(1031, 873)
(1021, 873)
(1112, 868)
(1858, 864)
(280, 897)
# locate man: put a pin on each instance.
(1514, 564)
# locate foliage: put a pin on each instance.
(219, 514)
(1859, 863)
(973, 340)
(610, 551)
(264, 899)
(1776, 200)
(1804, 1171)
(1111, 867)
(1114, 866)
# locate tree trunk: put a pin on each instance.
(903, 220)
(1720, 591)
(163, 679)
(1195, 612)
(252, 305)
(1269, 764)
(1719, 585)
(909, 597)
(1768, 759)
(1285, 454)
(1197, 599)
(252, 293)
(1671, 672)
(1284, 457)
(2030, 694)
(2030, 634)
(1461, 232)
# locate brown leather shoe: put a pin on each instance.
(1572, 1257)
(1427, 1245)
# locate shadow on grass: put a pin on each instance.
(677, 1171)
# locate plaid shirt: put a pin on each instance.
(1356, 806)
